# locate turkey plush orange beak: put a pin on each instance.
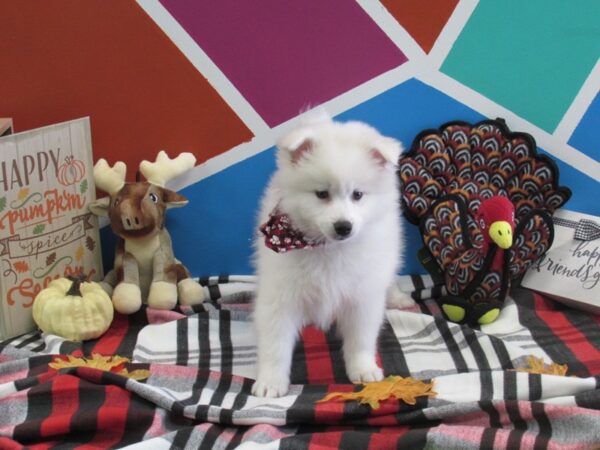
(501, 234)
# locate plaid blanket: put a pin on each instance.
(202, 361)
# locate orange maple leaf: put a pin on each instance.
(404, 389)
(97, 361)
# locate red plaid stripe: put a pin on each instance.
(319, 366)
(110, 341)
(65, 402)
(576, 341)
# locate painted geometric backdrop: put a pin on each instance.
(223, 79)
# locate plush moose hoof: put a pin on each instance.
(127, 298)
(162, 295)
(190, 292)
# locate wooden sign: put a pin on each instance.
(46, 230)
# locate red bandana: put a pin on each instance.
(281, 236)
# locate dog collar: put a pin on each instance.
(281, 236)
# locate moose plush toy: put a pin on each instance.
(145, 267)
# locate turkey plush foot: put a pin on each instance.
(458, 310)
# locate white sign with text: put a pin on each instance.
(570, 270)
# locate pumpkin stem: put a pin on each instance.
(74, 289)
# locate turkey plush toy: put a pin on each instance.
(483, 199)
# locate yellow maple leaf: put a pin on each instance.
(98, 361)
(536, 365)
(23, 193)
(140, 374)
(404, 389)
(79, 253)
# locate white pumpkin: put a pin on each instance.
(75, 310)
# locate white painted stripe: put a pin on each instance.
(205, 66)
(396, 32)
(265, 140)
(489, 108)
(453, 28)
(582, 102)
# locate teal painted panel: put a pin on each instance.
(531, 56)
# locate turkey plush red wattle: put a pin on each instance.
(496, 218)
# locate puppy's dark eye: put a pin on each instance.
(357, 195)
(323, 195)
(153, 197)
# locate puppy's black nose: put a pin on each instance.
(343, 228)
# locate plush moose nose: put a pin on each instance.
(131, 222)
(343, 228)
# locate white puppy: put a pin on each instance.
(330, 247)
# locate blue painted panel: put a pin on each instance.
(213, 234)
(586, 190)
(587, 134)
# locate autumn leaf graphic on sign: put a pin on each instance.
(90, 244)
(21, 266)
(2, 203)
(83, 187)
(39, 229)
(79, 253)
(51, 258)
(23, 193)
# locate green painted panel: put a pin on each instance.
(530, 56)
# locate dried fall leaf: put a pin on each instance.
(536, 365)
(404, 389)
(112, 364)
(21, 266)
(138, 375)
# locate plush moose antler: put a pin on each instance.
(145, 267)
(165, 168)
(109, 179)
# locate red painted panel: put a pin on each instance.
(108, 60)
(424, 20)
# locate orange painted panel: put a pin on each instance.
(424, 20)
(107, 59)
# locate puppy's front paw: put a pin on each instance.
(398, 299)
(365, 374)
(271, 387)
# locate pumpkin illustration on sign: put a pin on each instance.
(71, 171)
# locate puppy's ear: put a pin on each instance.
(386, 152)
(295, 145)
